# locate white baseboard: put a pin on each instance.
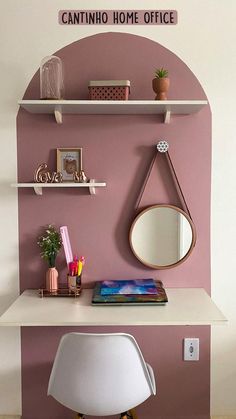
(221, 417)
(10, 417)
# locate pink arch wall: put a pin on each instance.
(117, 149)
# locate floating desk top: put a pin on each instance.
(186, 306)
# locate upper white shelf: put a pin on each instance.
(38, 187)
(186, 306)
(113, 107)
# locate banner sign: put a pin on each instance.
(117, 17)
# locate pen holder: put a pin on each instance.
(74, 283)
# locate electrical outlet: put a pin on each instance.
(191, 349)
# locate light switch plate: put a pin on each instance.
(191, 349)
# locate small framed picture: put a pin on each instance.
(69, 160)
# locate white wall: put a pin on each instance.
(205, 39)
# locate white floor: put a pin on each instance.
(212, 417)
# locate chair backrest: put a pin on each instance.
(100, 374)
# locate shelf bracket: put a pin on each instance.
(92, 190)
(167, 117)
(38, 190)
(58, 114)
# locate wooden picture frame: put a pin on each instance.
(69, 160)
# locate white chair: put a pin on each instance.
(100, 374)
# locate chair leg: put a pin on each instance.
(124, 415)
(80, 416)
(133, 414)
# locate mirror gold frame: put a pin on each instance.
(193, 230)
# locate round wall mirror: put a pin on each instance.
(162, 236)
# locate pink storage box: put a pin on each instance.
(109, 89)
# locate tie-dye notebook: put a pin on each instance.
(130, 292)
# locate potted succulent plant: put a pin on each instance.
(161, 83)
(50, 243)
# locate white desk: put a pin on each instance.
(186, 306)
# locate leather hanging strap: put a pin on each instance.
(177, 184)
(175, 179)
(145, 182)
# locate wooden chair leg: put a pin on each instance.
(133, 414)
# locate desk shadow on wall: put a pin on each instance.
(181, 392)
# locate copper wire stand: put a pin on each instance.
(62, 291)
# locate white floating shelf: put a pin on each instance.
(38, 187)
(113, 107)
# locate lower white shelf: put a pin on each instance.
(38, 187)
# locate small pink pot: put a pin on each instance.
(52, 279)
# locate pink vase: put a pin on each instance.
(52, 280)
